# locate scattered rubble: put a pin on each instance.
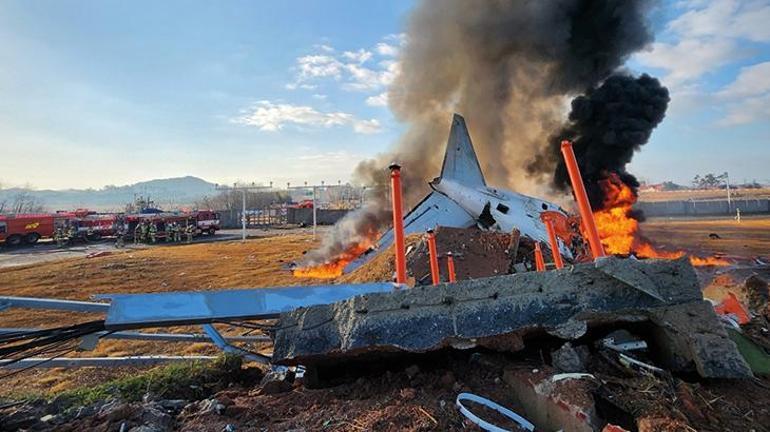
(758, 294)
(617, 346)
(501, 313)
(569, 358)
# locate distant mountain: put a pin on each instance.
(166, 193)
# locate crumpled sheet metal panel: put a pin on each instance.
(201, 307)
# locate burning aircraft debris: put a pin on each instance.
(510, 67)
(461, 199)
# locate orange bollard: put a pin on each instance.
(450, 263)
(434, 271)
(539, 261)
(398, 222)
(554, 244)
(582, 199)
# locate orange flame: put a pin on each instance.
(619, 230)
(335, 266)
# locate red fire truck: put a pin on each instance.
(21, 229)
(29, 228)
(208, 221)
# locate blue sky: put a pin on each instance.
(112, 92)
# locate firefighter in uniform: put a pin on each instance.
(153, 231)
(72, 233)
(120, 233)
(145, 231)
(177, 232)
(58, 237)
(169, 232)
(189, 231)
(138, 233)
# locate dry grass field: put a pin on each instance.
(747, 239)
(254, 263)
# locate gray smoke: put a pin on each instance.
(509, 67)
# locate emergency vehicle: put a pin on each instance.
(21, 229)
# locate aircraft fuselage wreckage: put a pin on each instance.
(462, 199)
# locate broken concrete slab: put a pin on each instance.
(691, 334)
(500, 312)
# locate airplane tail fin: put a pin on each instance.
(460, 161)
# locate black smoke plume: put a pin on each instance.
(508, 66)
(607, 126)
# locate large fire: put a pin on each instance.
(619, 230)
(335, 266)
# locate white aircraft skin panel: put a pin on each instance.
(523, 211)
(435, 210)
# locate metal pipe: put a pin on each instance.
(65, 362)
(315, 223)
(554, 244)
(434, 271)
(158, 337)
(218, 340)
(582, 199)
(450, 263)
(52, 304)
(243, 215)
(398, 222)
(539, 261)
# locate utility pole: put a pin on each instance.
(243, 190)
(315, 189)
(315, 220)
(727, 183)
(243, 215)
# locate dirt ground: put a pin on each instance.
(746, 239)
(399, 400)
(704, 194)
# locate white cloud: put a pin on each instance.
(386, 49)
(689, 59)
(371, 126)
(751, 81)
(360, 56)
(367, 79)
(747, 111)
(748, 97)
(355, 69)
(379, 100)
(398, 38)
(270, 116)
(304, 86)
(707, 36)
(319, 96)
(318, 66)
(726, 18)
